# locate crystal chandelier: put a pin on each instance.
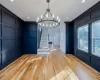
(48, 19)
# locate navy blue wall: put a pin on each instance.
(10, 37)
(16, 37)
(69, 37)
(30, 38)
(91, 15)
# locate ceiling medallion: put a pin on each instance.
(48, 19)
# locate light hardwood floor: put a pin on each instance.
(55, 66)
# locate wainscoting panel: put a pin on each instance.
(8, 20)
(10, 37)
(30, 38)
(8, 33)
(91, 15)
(0, 55)
(0, 15)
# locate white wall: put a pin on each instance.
(54, 36)
(58, 36)
(62, 37)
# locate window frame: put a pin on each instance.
(79, 38)
(92, 50)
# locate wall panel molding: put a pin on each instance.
(30, 38)
(91, 15)
(10, 37)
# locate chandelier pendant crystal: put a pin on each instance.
(48, 19)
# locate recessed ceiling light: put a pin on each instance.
(67, 17)
(12, 0)
(28, 17)
(83, 1)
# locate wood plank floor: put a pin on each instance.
(55, 66)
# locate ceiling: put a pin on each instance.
(61, 8)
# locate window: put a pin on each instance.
(96, 38)
(83, 38)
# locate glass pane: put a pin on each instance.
(96, 38)
(83, 44)
(83, 32)
(83, 38)
(96, 30)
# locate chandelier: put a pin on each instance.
(48, 19)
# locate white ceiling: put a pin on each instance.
(61, 8)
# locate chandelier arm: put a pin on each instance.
(44, 14)
(50, 13)
(53, 18)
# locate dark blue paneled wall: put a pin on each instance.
(30, 38)
(69, 37)
(91, 15)
(16, 37)
(10, 37)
